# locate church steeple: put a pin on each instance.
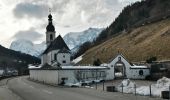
(50, 30)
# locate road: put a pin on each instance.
(22, 89)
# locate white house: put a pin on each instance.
(56, 68)
(123, 69)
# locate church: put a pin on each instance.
(56, 68)
(57, 52)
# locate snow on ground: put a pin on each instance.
(79, 84)
(128, 86)
(137, 66)
(83, 67)
(118, 74)
(34, 67)
(156, 89)
(73, 84)
(78, 59)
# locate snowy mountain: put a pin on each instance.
(74, 39)
(26, 46)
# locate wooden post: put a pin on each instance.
(135, 89)
(169, 92)
(150, 90)
(96, 85)
(122, 87)
(96, 79)
(103, 85)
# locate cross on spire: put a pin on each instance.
(50, 10)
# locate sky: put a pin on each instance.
(27, 19)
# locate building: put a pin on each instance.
(123, 69)
(56, 66)
(57, 52)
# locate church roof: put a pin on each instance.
(64, 50)
(57, 44)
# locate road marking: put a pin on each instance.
(46, 91)
(31, 86)
(24, 83)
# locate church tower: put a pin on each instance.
(50, 30)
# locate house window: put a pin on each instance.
(51, 37)
(119, 58)
(63, 56)
(64, 61)
(140, 72)
(55, 56)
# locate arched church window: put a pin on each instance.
(64, 61)
(119, 58)
(55, 56)
(51, 37)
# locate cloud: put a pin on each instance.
(68, 16)
(73, 12)
(26, 9)
(28, 35)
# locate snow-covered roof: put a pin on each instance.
(78, 59)
(104, 64)
(34, 67)
(72, 67)
(138, 67)
(83, 67)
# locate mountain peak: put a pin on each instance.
(27, 47)
(74, 39)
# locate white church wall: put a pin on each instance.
(49, 58)
(64, 58)
(110, 73)
(43, 59)
(45, 76)
(111, 65)
(60, 57)
(135, 73)
(56, 76)
(53, 76)
(69, 75)
(53, 52)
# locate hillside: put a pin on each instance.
(137, 14)
(131, 17)
(138, 44)
(20, 61)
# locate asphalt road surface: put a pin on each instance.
(22, 89)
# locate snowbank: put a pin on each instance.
(73, 84)
(79, 84)
(128, 86)
(78, 59)
(156, 89)
(118, 74)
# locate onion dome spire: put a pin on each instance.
(50, 27)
